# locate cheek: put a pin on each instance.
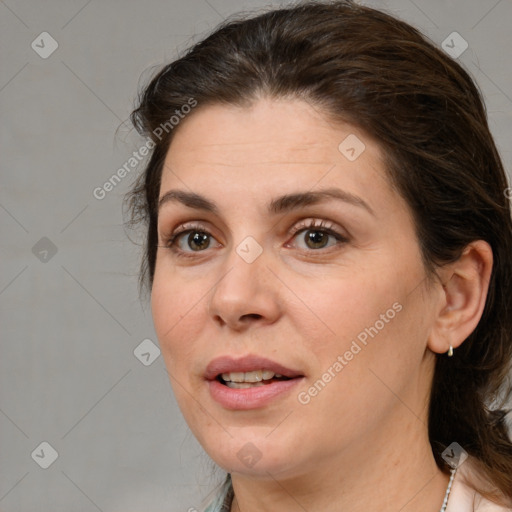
(339, 309)
(351, 377)
(360, 327)
(176, 307)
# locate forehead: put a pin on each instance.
(273, 144)
(276, 130)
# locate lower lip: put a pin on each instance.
(250, 398)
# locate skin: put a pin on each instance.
(361, 443)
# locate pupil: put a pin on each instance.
(316, 239)
(198, 240)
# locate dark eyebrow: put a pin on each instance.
(189, 199)
(281, 204)
(290, 202)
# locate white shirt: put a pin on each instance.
(464, 499)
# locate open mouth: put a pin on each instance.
(231, 381)
(245, 380)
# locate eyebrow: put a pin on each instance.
(282, 204)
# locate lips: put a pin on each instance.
(237, 397)
(228, 364)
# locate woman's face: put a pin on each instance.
(289, 245)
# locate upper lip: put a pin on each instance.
(227, 364)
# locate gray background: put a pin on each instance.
(71, 321)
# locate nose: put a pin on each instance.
(245, 294)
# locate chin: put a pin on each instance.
(255, 455)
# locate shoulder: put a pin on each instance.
(463, 498)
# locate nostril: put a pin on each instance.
(256, 316)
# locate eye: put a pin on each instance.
(196, 240)
(309, 235)
(191, 239)
(317, 235)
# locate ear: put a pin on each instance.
(465, 284)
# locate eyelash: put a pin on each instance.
(316, 225)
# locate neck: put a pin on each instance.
(394, 471)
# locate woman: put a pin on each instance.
(328, 254)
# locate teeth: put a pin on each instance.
(255, 376)
(243, 385)
(234, 376)
(246, 377)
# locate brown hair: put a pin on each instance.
(365, 67)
